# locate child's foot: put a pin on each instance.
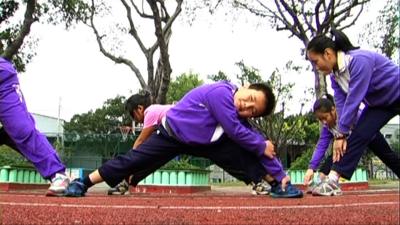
(327, 188)
(311, 186)
(58, 185)
(261, 188)
(289, 192)
(76, 188)
(120, 189)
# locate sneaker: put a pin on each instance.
(290, 191)
(58, 185)
(120, 189)
(311, 186)
(327, 188)
(261, 188)
(76, 188)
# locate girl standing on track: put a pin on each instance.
(357, 76)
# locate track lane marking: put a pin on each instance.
(197, 207)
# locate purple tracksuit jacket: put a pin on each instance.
(363, 76)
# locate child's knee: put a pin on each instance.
(21, 131)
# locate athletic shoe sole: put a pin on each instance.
(51, 193)
(298, 195)
(260, 193)
(117, 193)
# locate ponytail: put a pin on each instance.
(338, 42)
(341, 41)
(324, 104)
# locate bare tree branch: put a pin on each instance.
(141, 13)
(107, 54)
(307, 21)
(132, 29)
(352, 22)
(330, 10)
(163, 47)
(316, 14)
(298, 29)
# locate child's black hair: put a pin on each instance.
(324, 104)
(132, 103)
(269, 97)
(339, 42)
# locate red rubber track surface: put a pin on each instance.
(363, 207)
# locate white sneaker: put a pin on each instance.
(327, 188)
(261, 188)
(58, 185)
(120, 189)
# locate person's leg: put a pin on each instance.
(382, 150)
(326, 165)
(368, 125)
(246, 166)
(241, 164)
(20, 126)
(156, 151)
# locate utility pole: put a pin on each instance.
(59, 124)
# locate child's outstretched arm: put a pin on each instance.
(325, 137)
(144, 134)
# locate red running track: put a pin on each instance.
(369, 207)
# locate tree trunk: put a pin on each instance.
(320, 84)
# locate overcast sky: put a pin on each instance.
(69, 66)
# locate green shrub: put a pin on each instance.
(301, 163)
(10, 157)
(179, 165)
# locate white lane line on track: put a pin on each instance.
(198, 207)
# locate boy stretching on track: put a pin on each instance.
(139, 108)
(210, 121)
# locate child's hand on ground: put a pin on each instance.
(285, 182)
(269, 150)
(308, 176)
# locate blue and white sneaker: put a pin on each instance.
(327, 188)
(261, 188)
(289, 192)
(311, 186)
(76, 188)
(120, 189)
(58, 185)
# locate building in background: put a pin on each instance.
(52, 127)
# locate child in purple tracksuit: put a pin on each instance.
(139, 107)
(20, 133)
(325, 110)
(357, 76)
(209, 121)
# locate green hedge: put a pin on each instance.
(10, 157)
